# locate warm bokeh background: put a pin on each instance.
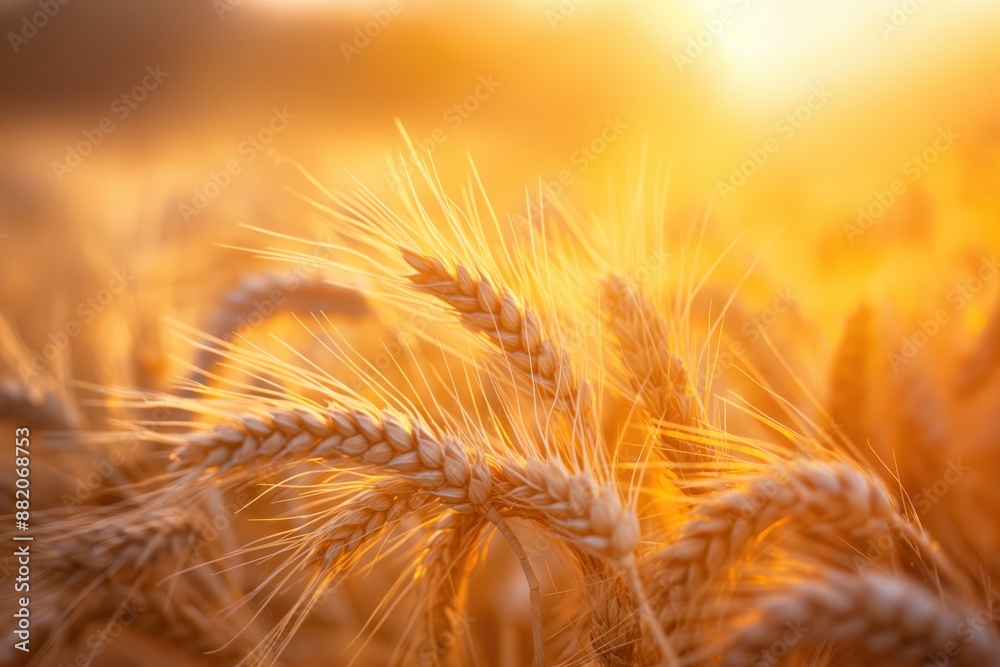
(590, 91)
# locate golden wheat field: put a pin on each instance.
(500, 334)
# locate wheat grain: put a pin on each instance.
(511, 327)
(442, 570)
(850, 378)
(830, 498)
(107, 557)
(610, 614)
(115, 544)
(383, 440)
(880, 616)
(657, 376)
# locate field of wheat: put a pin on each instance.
(552, 333)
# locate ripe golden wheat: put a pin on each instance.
(657, 534)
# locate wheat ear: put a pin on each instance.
(113, 545)
(42, 408)
(101, 558)
(657, 376)
(832, 499)
(386, 441)
(366, 515)
(982, 362)
(539, 361)
(442, 571)
(849, 377)
(884, 616)
(614, 633)
(586, 516)
(511, 327)
(820, 497)
(266, 295)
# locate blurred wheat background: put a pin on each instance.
(831, 171)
